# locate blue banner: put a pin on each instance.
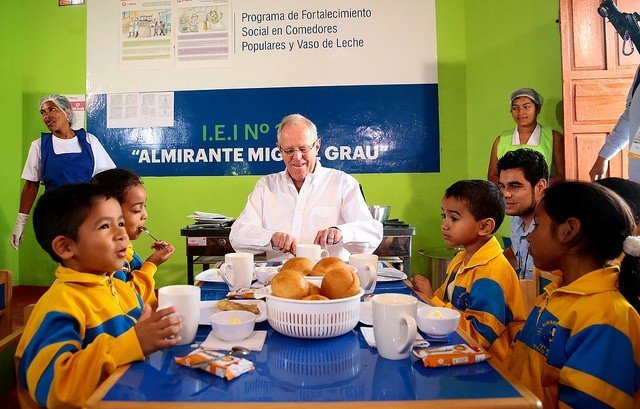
(363, 129)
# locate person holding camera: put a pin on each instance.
(625, 132)
(626, 129)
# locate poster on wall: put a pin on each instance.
(197, 87)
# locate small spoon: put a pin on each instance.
(144, 229)
(239, 350)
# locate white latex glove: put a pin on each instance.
(16, 234)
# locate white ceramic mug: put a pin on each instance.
(311, 251)
(394, 324)
(367, 269)
(237, 270)
(186, 299)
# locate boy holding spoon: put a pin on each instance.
(127, 187)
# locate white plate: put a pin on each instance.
(366, 311)
(210, 219)
(208, 308)
(212, 275)
(390, 274)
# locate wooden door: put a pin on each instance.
(596, 77)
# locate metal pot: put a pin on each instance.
(380, 213)
(436, 262)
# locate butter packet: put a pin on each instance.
(216, 363)
(451, 355)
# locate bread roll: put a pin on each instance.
(290, 284)
(315, 297)
(327, 264)
(340, 283)
(301, 264)
(313, 289)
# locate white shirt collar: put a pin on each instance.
(534, 139)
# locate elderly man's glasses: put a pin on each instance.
(303, 149)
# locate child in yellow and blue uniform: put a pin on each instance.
(126, 186)
(480, 282)
(580, 346)
(88, 323)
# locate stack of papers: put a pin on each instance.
(211, 218)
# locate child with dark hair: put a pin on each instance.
(480, 282)
(629, 191)
(126, 186)
(580, 346)
(87, 324)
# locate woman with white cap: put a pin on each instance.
(58, 157)
(525, 107)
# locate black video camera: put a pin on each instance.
(626, 24)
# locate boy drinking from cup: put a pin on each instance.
(88, 323)
(480, 282)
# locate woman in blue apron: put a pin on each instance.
(60, 156)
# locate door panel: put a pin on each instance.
(599, 100)
(588, 51)
(596, 79)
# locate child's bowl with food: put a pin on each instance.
(233, 325)
(437, 320)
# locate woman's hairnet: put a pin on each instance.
(529, 93)
(61, 102)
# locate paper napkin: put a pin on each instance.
(367, 332)
(254, 342)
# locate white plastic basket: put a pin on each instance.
(313, 319)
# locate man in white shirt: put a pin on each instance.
(305, 203)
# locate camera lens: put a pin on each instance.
(602, 10)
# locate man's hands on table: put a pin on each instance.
(328, 237)
(287, 243)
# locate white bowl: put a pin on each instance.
(226, 328)
(437, 320)
(266, 274)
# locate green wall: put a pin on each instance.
(485, 50)
(510, 45)
(11, 120)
